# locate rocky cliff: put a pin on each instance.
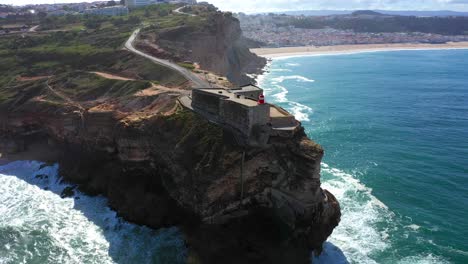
(161, 165)
(214, 41)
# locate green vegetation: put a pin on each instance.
(83, 86)
(208, 135)
(81, 43)
(18, 96)
(176, 32)
(161, 17)
(188, 66)
(77, 86)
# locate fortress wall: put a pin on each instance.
(285, 121)
(260, 115)
(207, 102)
(236, 115)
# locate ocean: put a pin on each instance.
(394, 126)
(37, 226)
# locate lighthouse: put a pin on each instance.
(261, 99)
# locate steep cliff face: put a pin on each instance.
(164, 168)
(218, 46)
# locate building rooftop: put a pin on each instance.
(247, 88)
(275, 112)
(229, 95)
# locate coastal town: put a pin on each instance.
(271, 31)
(14, 19)
(293, 37)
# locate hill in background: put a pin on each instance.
(442, 13)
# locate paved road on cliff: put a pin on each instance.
(178, 11)
(197, 81)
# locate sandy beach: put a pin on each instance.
(349, 49)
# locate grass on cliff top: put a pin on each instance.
(86, 43)
(77, 86)
(29, 96)
(158, 18)
(208, 134)
(84, 86)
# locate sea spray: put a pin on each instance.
(37, 226)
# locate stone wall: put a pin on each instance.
(236, 116)
(260, 114)
(207, 102)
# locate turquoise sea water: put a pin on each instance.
(394, 126)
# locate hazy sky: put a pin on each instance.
(280, 5)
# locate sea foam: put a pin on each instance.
(360, 234)
(37, 226)
(292, 77)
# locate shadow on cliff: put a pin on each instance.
(331, 255)
(128, 243)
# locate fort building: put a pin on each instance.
(243, 111)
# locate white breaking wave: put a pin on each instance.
(293, 64)
(300, 111)
(37, 226)
(281, 70)
(429, 259)
(279, 94)
(360, 234)
(293, 77)
(357, 234)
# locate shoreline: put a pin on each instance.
(287, 52)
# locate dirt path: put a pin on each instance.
(30, 78)
(112, 77)
(153, 90)
(64, 97)
(158, 89)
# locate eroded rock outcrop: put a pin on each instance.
(179, 169)
(217, 46)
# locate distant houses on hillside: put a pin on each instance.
(108, 11)
(26, 14)
(139, 3)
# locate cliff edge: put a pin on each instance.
(161, 165)
(116, 128)
(211, 39)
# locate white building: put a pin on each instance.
(139, 3)
(108, 11)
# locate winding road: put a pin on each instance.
(182, 13)
(196, 80)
